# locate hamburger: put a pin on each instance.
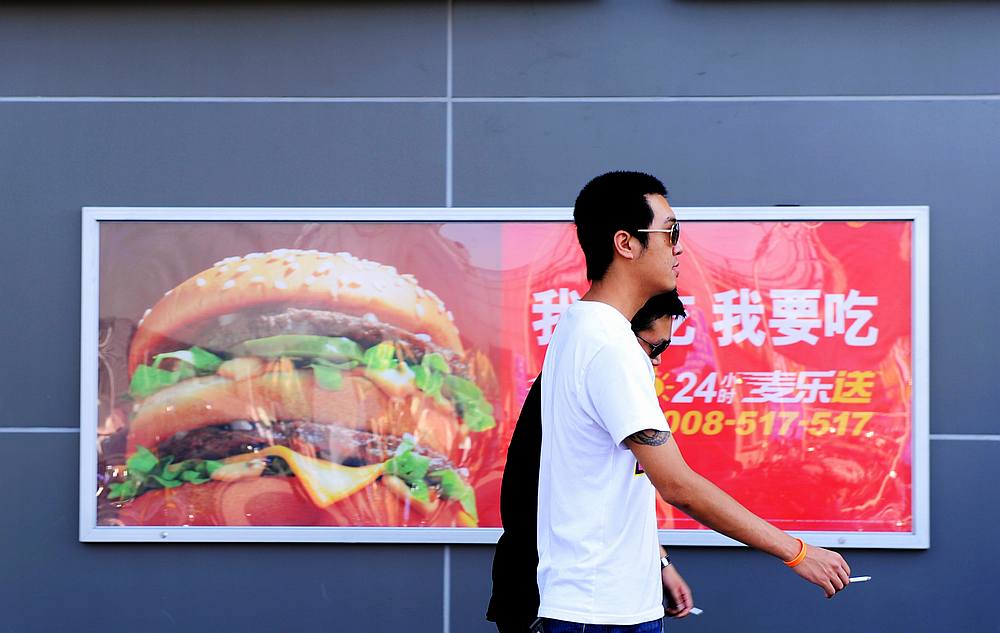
(299, 388)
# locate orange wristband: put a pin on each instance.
(801, 556)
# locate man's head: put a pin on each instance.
(653, 323)
(611, 214)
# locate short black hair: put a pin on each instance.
(661, 305)
(612, 202)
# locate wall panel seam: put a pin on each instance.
(39, 429)
(730, 99)
(968, 437)
(449, 107)
(450, 99)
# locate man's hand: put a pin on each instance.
(679, 595)
(824, 568)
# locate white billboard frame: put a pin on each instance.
(89, 531)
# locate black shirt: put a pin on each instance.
(515, 563)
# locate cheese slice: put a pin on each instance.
(325, 482)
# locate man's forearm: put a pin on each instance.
(690, 492)
(711, 506)
(682, 487)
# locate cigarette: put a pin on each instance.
(860, 578)
(696, 611)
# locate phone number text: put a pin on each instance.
(819, 423)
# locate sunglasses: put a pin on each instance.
(674, 232)
(657, 349)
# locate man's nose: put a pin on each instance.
(678, 248)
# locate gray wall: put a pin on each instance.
(339, 104)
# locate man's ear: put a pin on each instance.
(625, 246)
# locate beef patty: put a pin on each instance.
(332, 443)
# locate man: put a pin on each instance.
(605, 443)
(514, 603)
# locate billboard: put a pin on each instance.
(356, 374)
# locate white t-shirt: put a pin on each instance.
(598, 555)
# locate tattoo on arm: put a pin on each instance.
(650, 437)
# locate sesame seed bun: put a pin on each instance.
(337, 282)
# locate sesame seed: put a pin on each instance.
(451, 317)
(280, 284)
(147, 312)
(244, 268)
(224, 269)
(258, 279)
(369, 317)
(309, 280)
(229, 284)
(253, 256)
(200, 281)
(419, 308)
(167, 293)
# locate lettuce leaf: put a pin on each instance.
(148, 379)
(380, 357)
(146, 471)
(453, 487)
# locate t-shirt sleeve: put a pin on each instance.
(621, 391)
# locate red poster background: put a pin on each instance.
(802, 478)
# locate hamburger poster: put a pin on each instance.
(284, 374)
(362, 375)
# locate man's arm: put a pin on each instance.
(708, 504)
